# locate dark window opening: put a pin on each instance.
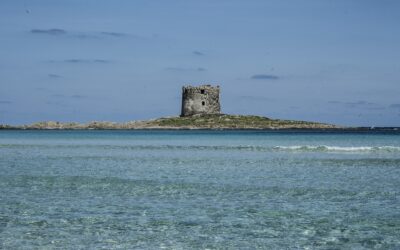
(203, 103)
(202, 91)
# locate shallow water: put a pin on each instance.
(199, 189)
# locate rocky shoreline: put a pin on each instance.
(219, 122)
(200, 122)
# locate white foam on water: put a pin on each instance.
(324, 148)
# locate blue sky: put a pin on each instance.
(319, 60)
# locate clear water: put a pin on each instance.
(206, 190)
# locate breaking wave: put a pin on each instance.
(338, 149)
(296, 148)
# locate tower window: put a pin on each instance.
(202, 91)
(203, 103)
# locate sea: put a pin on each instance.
(155, 189)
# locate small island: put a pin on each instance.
(218, 122)
(201, 109)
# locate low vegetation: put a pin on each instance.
(235, 122)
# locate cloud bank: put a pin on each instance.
(395, 105)
(80, 35)
(264, 77)
(185, 69)
(114, 34)
(198, 53)
(53, 32)
(78, 60)
(54, 76)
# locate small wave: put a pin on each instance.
(295, 148)
(306, 148)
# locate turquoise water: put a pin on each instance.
(197, 189)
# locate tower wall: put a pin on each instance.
(199, 100)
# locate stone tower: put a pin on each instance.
(199, 100)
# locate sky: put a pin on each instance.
(317, 60)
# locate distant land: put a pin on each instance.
(196, 122)
(218, 122)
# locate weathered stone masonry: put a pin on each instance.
(199, 100)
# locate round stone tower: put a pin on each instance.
(199, 100)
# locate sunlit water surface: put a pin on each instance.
(183, 190)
